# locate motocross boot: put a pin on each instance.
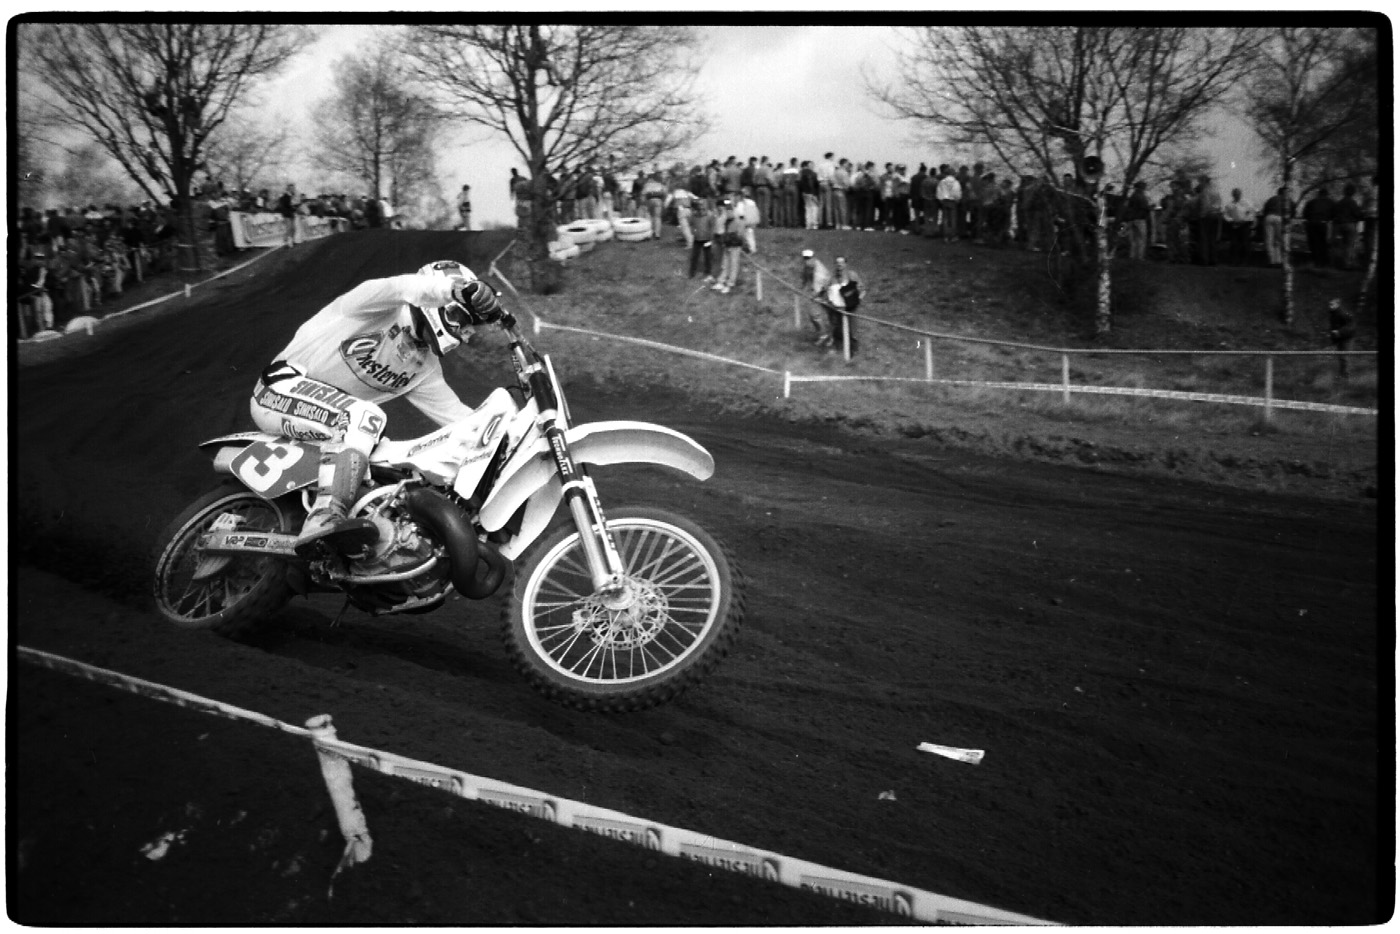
(327, 529)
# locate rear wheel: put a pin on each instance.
(677, 614)
(228, 594)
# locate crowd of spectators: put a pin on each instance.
(1192, 221)
(349, 212)
(72, 260)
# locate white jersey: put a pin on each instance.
(364, 344)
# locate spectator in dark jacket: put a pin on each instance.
(1317, 217)
(1346, 222)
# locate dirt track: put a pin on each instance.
(1177, 686)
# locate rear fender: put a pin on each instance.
(598, 443)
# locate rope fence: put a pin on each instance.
(1065, 387)
(336, 756)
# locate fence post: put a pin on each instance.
(1064, 375)
(928, 359)
(758, 284)
(787, 384)
(1268, 389)
(846, 334)
(797, 311)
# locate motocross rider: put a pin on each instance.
(381, 340)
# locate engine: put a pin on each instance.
(407, 570)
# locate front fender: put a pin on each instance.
(600, 443)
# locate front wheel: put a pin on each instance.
(228, 594)
(676, 616)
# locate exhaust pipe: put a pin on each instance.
(478, 568)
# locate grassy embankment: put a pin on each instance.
(641, 290)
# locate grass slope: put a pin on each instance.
(641, 290)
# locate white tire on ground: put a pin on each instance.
(602, 229)
(560, 251)
(577, 232)
(45, 335)
(623, 226)
(81, 323)
(586, 247)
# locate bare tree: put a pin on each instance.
(152, 93)
(1315, 92)
(1054, 96)
(376, 127)
(242, 151)
(564, 95)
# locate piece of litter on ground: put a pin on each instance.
(973, 756)
(887, 796)
(157, 848)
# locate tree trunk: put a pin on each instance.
(1103, 311)
(1372, 261)
(545, 274)
(1287, 244)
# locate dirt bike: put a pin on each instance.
(603, 613)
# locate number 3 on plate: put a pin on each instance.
(261, 471)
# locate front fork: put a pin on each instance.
(604, 563)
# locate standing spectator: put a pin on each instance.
(929, 195)
(1137, 217)
(790, 196)
(1346, 219)
(590, 189)
(732, 235)
(748, 207)
(611, 208)
(219, 218)
(884, 199)
(826, 171)
(34, 301)
(654, 193)
(815, 278)
(681, 198)
(1210, 213)
(863, 194)
(840, 204)
(731, 176)
(568, 195)
(287, 207)
(89, 267)
(965, 201)
(67, 281)
(899, 187)
(763, 192)
(916, 196)
(137, 254)
(810, 187)
(1317, 217)
(1173, 222)
(1005, 210)
(1239, 227)
(374, 214)
(114, 266)
(843, 294)
(704, 218)
(1277, 213)
(992, 210)
(949, 197)
(1342, 331)
(746, 174)
(464, 207)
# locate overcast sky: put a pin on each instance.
(779, 91)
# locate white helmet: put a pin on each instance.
(442, 327)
